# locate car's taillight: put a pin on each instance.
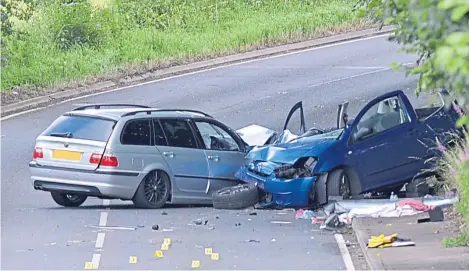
(38, 153)
(107, 159)
(95, 158)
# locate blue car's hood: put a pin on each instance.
(288, 153)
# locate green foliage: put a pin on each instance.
(458, 241)
(65, 40)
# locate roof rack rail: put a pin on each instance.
(165, 110)
(98, 106)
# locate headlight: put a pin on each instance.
(302, 168)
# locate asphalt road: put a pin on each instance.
(37, 234)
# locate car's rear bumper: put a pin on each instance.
(107, 184)
(286, 193)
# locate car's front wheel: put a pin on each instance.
(338, 184)
(68, 200)
(153, 192)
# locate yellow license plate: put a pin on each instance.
(66, 155)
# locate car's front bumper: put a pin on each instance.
(106, 184)
(284, 192)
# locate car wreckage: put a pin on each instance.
(387, 145)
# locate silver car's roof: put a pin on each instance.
(117, 113)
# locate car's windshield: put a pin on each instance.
(335, 134)
(80, 127)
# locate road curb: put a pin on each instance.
(149, 77)
(362, 238)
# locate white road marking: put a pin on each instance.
(360, 67)
(100, 240)
(356, 75)
(344, 252)
(348, 77)
(95, 260)
(101, 236)
(103, 219)
(196, 72)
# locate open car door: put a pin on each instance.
(302, 128)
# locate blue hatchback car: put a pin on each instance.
(383, 148)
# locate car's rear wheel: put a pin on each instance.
(236, 197)
(153, 192)
(338, 184)
(68, 200)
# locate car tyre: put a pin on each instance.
(236, 197)
(338, 184)
(153, 192)
(68, 200)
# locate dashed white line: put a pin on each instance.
(100, 240)
(103, 219)
(344, 252)
(95, 260)
(101, 236)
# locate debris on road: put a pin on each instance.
(382, 241)
(305, 214)
(114, 228)
(200, 221)
(155, 227)
(251, 241)
(342, 212)
(164, 213)
(280, 222)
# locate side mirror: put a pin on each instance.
(362, 133)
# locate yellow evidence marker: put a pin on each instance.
(215, 256)
(158, 254)
(208, 251)
(89, 265)
(132, 259)
(164, 246)
(167, 241)
(195, 264)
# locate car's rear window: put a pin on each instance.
(80, 127)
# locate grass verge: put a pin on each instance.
(59, 45)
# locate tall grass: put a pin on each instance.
(63, 42)
(454, 168)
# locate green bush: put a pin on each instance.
(70, 40)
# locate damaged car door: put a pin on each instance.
(185, 157)
(225, 152)
(302, 128)
(383, 146)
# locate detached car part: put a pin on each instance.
(236, 197)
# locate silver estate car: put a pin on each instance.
(132, 152)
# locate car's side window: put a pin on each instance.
(382, 116)
(178, 133)
(160, 140)
(136, 132)
(215, 137)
